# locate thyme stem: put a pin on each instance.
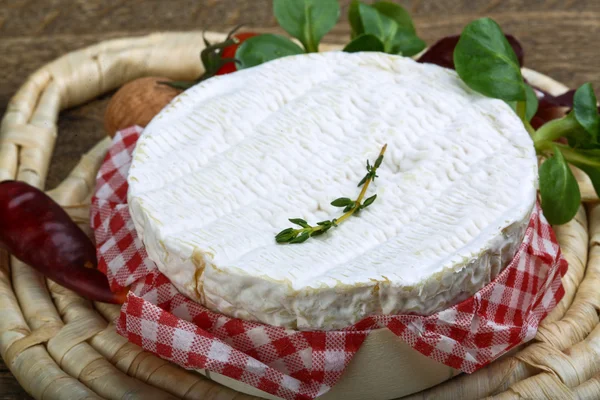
(291, 235)
(362, 192)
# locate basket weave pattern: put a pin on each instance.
(59, 345)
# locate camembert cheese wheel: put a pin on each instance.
(217, 174)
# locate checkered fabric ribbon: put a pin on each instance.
(298, 364)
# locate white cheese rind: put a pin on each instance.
(216, 175)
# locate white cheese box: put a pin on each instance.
(383, 368)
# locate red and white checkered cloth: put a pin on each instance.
(299, 364)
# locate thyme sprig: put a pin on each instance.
(351, 207)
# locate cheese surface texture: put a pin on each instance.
(217, 174)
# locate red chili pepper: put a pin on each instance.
(40, 233)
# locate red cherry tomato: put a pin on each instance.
(229, 52)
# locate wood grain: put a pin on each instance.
(559, 36)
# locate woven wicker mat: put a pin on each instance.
(60, 346)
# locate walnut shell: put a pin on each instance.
(137, 102)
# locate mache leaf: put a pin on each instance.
(558, 189)
(587, 160)
(378, 25)
(486, 62)
(593, 173)
(441, 52)
(356, 25)
(397, 13)
(395, 38)
(406, 40)
(408, 44)
(531, 101)
(307, 20)
(262, 48)
(364, 42)
(585, 109)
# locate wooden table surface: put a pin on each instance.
(560, 38)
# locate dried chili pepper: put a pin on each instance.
(37, 231)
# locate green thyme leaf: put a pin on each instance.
(285, 235)
(558, 189)
(262, 48)
(286, 231)
(363, 180)
(486, 62)
(299, 221)
(341, 202)
(368, 201)
(307, 20)
(300, 239)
